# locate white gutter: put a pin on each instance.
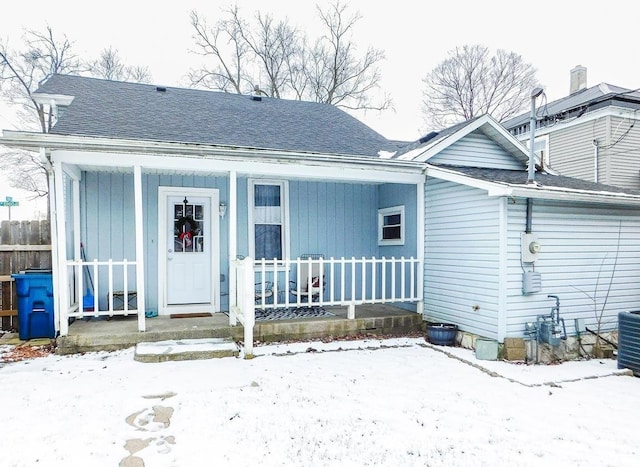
(566, 194)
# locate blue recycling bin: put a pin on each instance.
(34, 289)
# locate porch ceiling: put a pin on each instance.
(209, 173)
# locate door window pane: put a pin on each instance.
(188, 223)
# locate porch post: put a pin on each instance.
(502, 274)
(77, 256)
(59, 251)
(420, 244)
(233, 239)
(140, 298)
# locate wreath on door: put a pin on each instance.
(186, 229)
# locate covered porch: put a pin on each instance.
(117, 208)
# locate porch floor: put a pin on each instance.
(116, 333)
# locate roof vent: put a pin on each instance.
(161, 89)
(256, 93)
(428, 137)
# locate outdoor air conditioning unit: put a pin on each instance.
(629, 341)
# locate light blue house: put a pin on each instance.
(185, 201)
(159, 192)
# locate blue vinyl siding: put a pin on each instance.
(577, 261)
(108, 224)
(334, 219)
(390, 195)
(477, 150)
(462, 251)
(330, 218)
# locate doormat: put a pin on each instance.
(291, 313)
(190, 315)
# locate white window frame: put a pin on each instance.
(284, 207)
(391, 211)
(543, 141)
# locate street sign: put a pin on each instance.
(9, 203)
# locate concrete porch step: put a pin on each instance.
(185, 349)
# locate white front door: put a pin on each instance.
(189, 249)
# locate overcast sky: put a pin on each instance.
(554, 36)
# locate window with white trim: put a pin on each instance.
(541, 149)
(268, 219)
(391, 226)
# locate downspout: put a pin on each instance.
(420, 206)
(529, 215)
(53, 226)
(532, 160)
(595, 160)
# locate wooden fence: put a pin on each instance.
(23, 245)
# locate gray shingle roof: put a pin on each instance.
(519, 177)
(115, 109)
(586, 97)
(432, 138)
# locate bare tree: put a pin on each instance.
(275, 53)
(473, 82)
(21, 71)
(110, 66)
(138, 74)
(227, 72)
(336, 75)
(275, 46)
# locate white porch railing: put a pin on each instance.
(244, 308)
(340, 282)
(306, 282)
(109, 281)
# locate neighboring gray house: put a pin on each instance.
(592, 134)
(477, 235)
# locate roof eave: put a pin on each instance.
(565, 194)
(36, 141)
(497, 189)
(57, 99)
(488, 126)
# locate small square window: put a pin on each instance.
(391, 226)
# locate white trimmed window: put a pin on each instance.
(268, 219)
(391, 226)
(541, 149)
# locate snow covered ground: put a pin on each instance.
(395, 402)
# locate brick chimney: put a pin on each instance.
(578, 79)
